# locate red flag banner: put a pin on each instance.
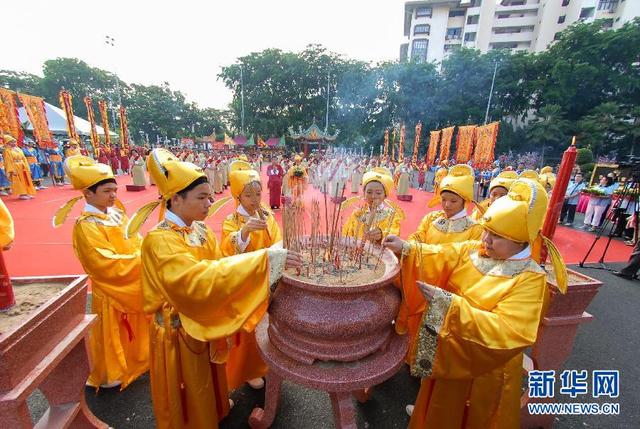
(104, 115)
(434, 139)
(9, 119)
(34, 106)
(464, 143)
(93, 132)
(485, 146)
(65, 102)
(124, 129)
(416, 143)
(445, 143)
(401, 144)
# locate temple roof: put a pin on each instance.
(312, 134)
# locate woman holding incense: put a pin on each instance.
(484, 304)
(378, 217)
(251, 227)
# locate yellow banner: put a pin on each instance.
(93, 132)
(485, 146)
(464, 143)
(37, 114)
(9, 119)
(124, 129)
(434, 139)
(445, 143)
(416, 143)
(104, 115)
(66, 104)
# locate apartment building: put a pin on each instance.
(434, 28)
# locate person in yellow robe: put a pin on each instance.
(383, 215)
(7, 232)
(440, 174)
(498, 187)
(297, 180)
(251, 227)
(119, 340)
(485, 301)
(449, 225)
(17, 169)
(197, 300)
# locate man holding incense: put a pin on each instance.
(484, 304)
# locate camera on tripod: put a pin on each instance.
(632, 166)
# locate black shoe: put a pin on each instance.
(622, 275)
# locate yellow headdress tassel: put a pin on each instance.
(61, 214)
(120, 206)
(218, 205)
(349, 202)
(139, 218)
(559, 268)
(481, 209)
(399, 212)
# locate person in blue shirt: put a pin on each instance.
(598, 203)
(571, 199)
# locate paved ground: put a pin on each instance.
(610, 341)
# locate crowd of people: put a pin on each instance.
(183, 303)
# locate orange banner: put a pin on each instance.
(124, 129)
(445, 143)
(386, 143)
(401, 144)
(434, 139)
(93, 133)
(393, 144)
(464, 143)
(485, 146)
(104, 115)
(65, 103)
(416, 143)
(9, 119)
(260, 142)
(34, 106)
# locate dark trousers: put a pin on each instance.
(634, 262)
(568, 210)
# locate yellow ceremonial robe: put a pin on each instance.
(197, 302)
(244, 362)
(16, 167)
(360, 218)
(434, 228)
(7, 232)
(119, 340)
(471, 339)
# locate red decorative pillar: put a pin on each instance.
(7, 299)
(557, 196)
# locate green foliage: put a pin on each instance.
(586, 169)
(584, 156)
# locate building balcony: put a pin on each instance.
(526, 36)
(524, 21)
(471, 28)
(523, 8)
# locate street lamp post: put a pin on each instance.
(493, 81)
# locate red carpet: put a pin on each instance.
(39, 249)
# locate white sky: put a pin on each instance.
(186, 42)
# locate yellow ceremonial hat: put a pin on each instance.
(458, 180)
(242, 157)
(7, 138)
(240, 175)
(546, 169)
(379, 174)
(297, 158)
(518, 216)
(85, 172)
(529, 174)
(504, 179)
(170, 174)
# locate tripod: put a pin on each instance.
(630, 192)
